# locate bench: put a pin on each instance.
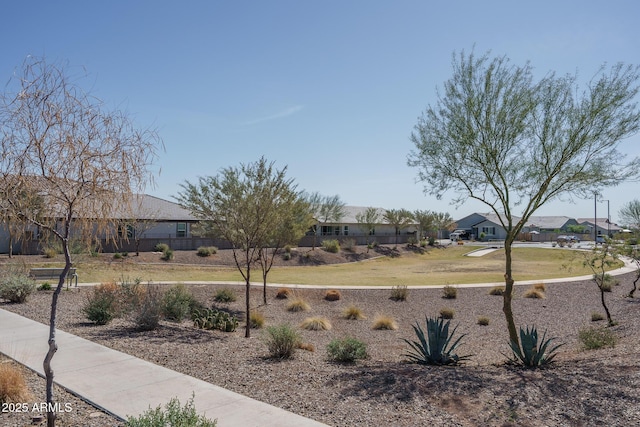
(53, 273)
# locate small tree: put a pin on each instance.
(630, 214)
(61, 146)
(399, 219)
(241, 205)
(368, 221)
(599, 260)
(425, 221)
(139, 219)
(443, 221)
(325, 209)
(498, 137)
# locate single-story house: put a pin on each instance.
(604, 227)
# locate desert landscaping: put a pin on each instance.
(581, 388)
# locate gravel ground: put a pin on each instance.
(582, 388)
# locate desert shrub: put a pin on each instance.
(102, 303)
(283, 293)
(13, 386)
(533, 293)
(281, 341)
(148, 310)
(412, 242)
(204, 251)
(286, 256)
(595, 338)
(256, 319)
(483, 321)
(449, 292)
(298, 304)
(224, 295)
(447, 313)
(437, 347)
(167, 254)
(44, 287)
(531, 354)
(423, 243)
(16, 287)
(399, 293)
(332, 295)
(346, 350)
(497, 290)
(316, 324)
(384, 323)
(161, 247)
(595, 316)
(287, 249)
(173, 415)
(432, 241)
(348, 245)
(331, 245)
(353, 313)
(210, 318)
(50, 252)
(177, 302)
(131, 295)
(117, 255)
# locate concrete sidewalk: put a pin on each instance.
(124, 385)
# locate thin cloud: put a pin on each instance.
(279, 115)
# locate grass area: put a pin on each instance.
(436, 267)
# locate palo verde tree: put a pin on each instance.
(368, 220)
(79, 159)
(241, 205)
(630, 215)
(497, 136)
(399, 219)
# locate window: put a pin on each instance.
(181, 229)
(489, 230)
(126, 230)
(346, 230)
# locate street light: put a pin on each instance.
(608, 220)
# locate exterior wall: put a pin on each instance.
(500, 233)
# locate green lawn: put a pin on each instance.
(436, 267)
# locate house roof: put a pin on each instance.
(548, 222)
(146, 207)
(603, 223)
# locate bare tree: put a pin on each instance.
(498, 137)
(82, 161)
(241, 206)
(138, 220)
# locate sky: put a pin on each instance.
(330, 89)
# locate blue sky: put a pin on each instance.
(331, 89)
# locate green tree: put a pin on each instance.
(630, 214)
(426, 222)
(443, 221)
(399, 219)
(368, 221)
(498, 137)
(241, 205)
(81, 163)
(325, 209)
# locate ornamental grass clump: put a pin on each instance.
(353, 313)
(447, 313)
(437, 347)
(13, 385)
(331, 245)
(497, 291)
(382, 323)
(530, 353)
(298, 304)
(224, 295)
(283, 293)
(346, 350)
(534, 293)
(316, 324)
(256, 319)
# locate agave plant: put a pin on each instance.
(436, 348)
(530, 354)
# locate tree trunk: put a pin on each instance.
(247, 330)
(508, 295)
(604, 305)
(53, 347)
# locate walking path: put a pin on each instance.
(124, 385)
